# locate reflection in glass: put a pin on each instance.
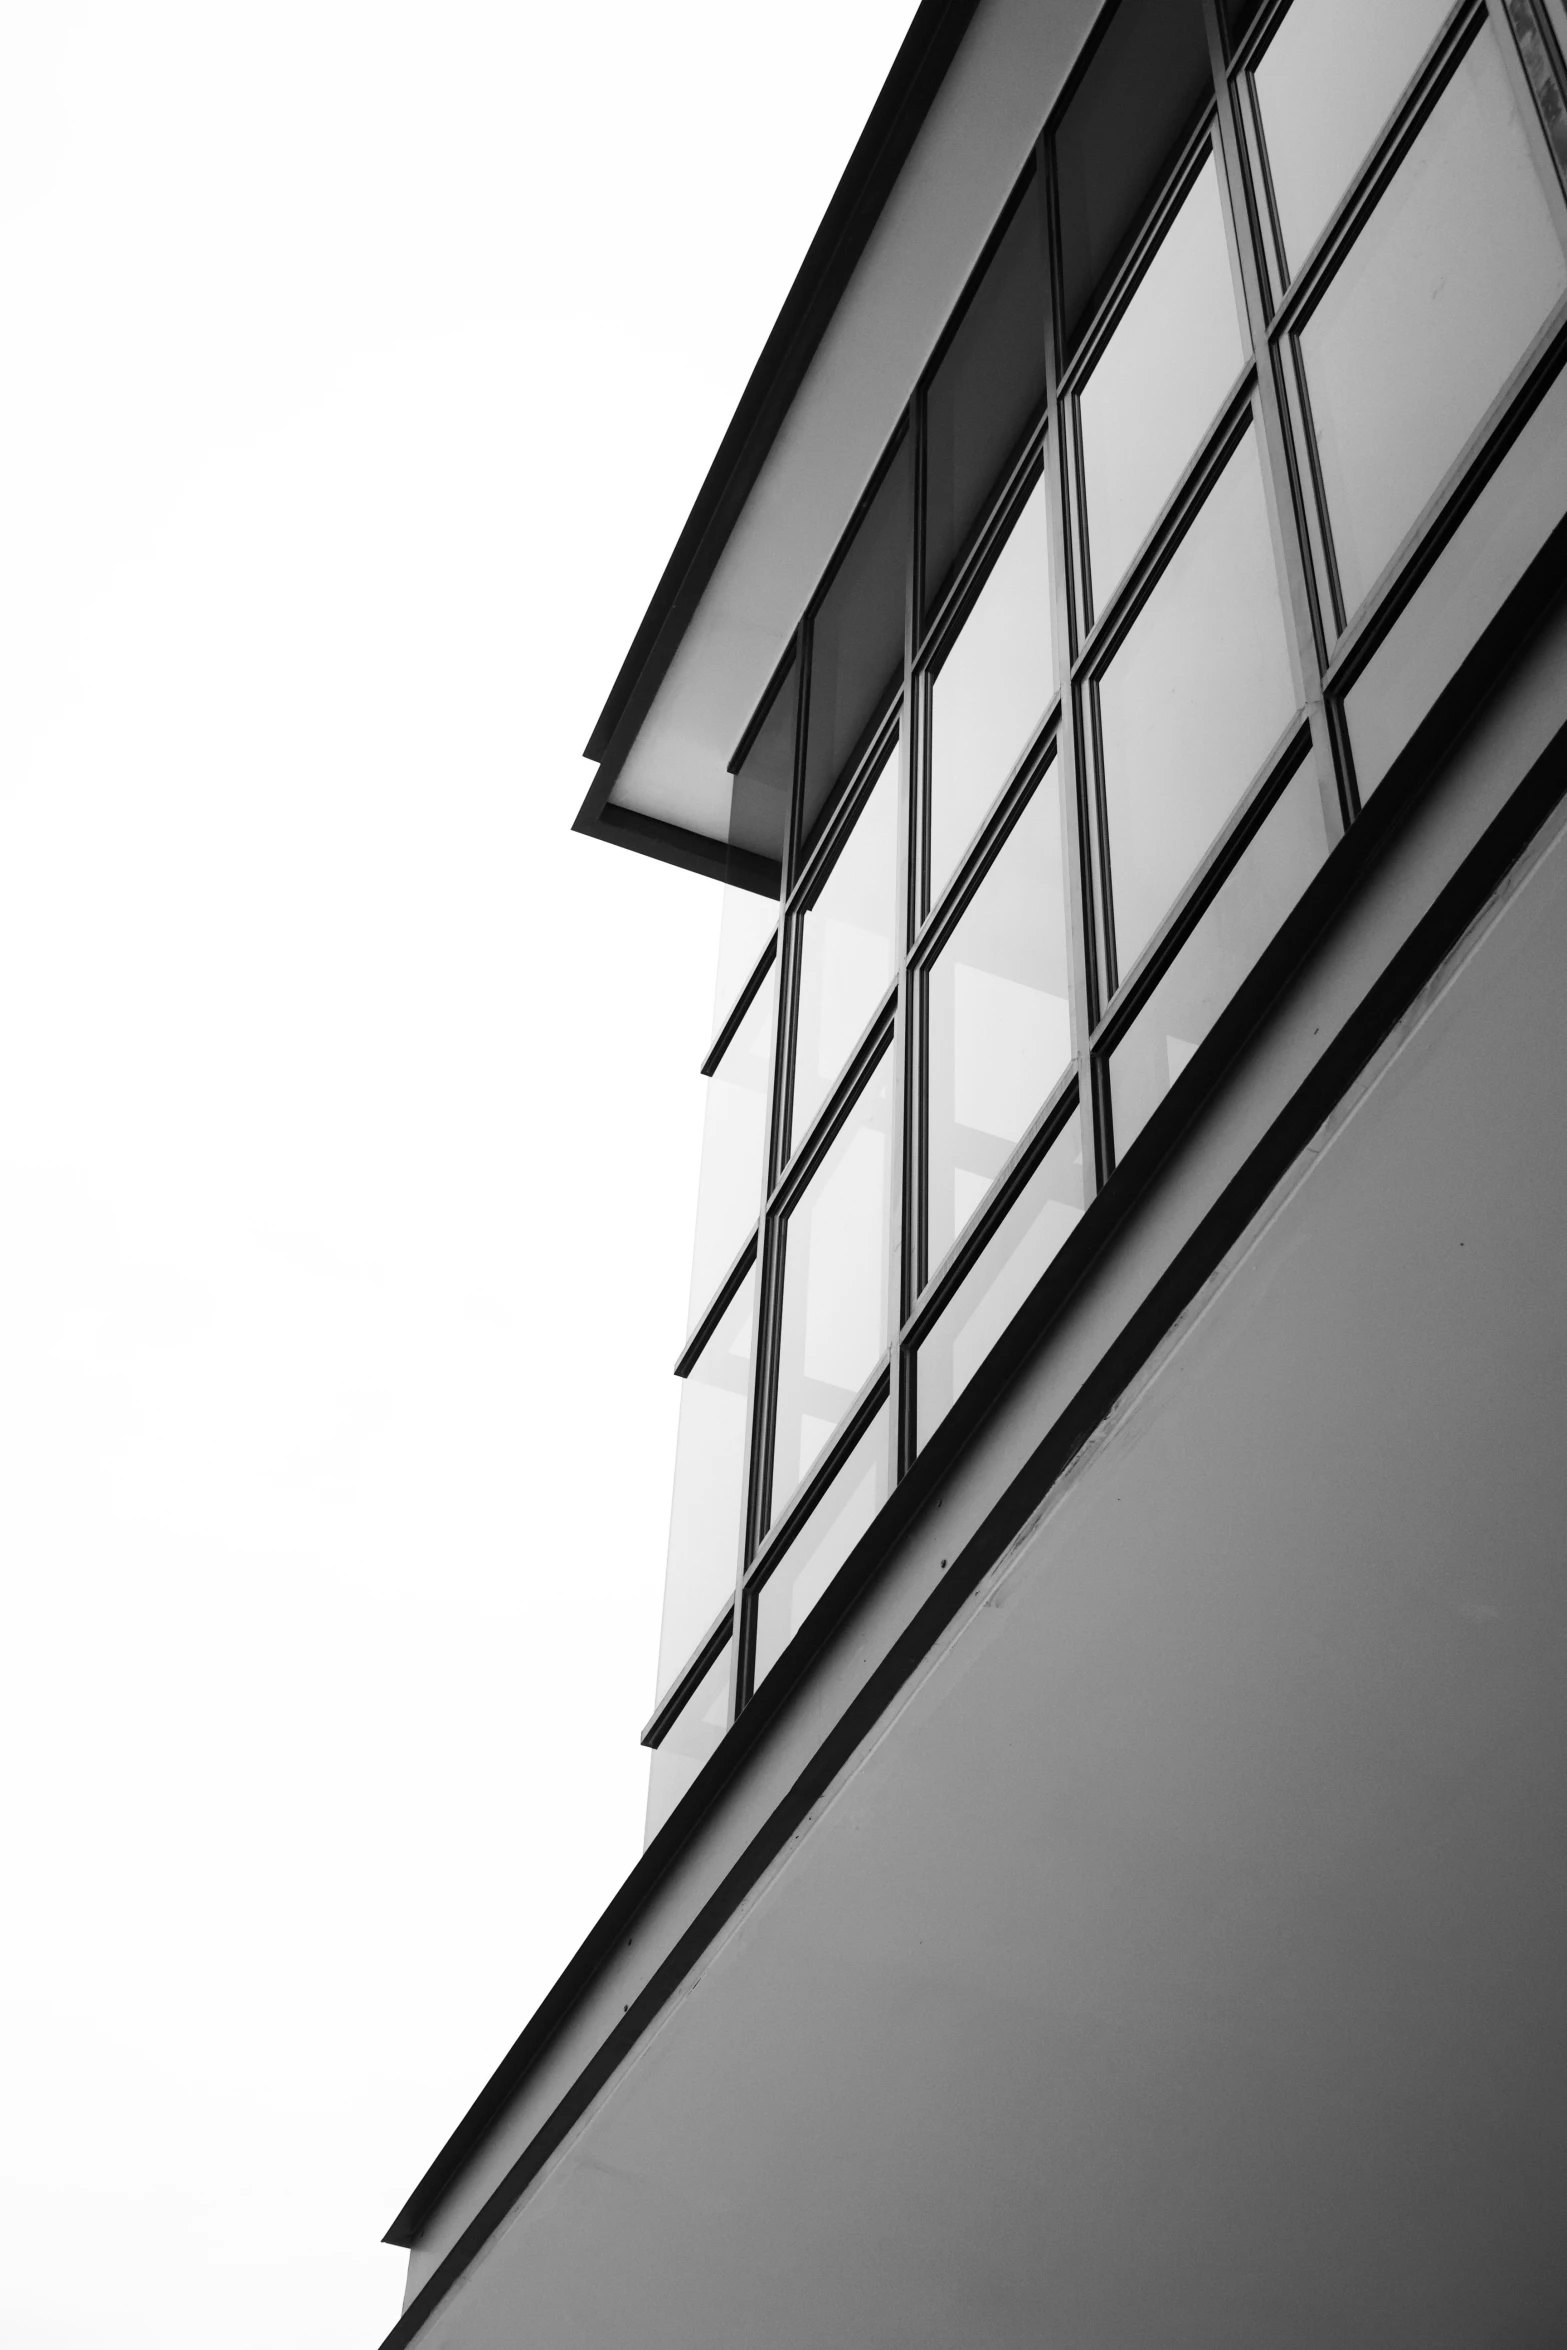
(1195, 696)
(999, 1018)
(1462, 593)
(729, 1193)
(820, 1548)
(846, 949)
(989, 385)
(692, 1736)
(1328, 80)
(1022, 1245)
(1426, 318)
(704, 1517)
(1264, 883)
(833, 1329)
(857, 641)
(992, 689)
(1159, 382)
(745, 925)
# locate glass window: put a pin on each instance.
(734, 1153)
(1023, 1244)
(987, 389)
(999, 1018)
(1329, 78)
(992, 689)
(1194, 698)
(691, 1738)
(1428, 315)
(746, 923)
(857, 641)
(833, 1328)
(1225, 941)
(764, 774)
(1462, 593)
(1159, 382)
(847, 942)
(704, 1518)
(813, 1558)
(1137, 98)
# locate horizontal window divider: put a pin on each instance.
(1370, 183)
(1543, 69)
(1253, 41)
(1245, 819)
(723, 1299)
(1012, 1179)
(681, 1688)
(969, 572)
(882, 721)
(809, 1156)
(802, 1505)
(1224, 436)
(742, 1004)
(932, 935)
(1444, 511)
(1111, 305)
(851, 798)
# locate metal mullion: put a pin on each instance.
(908, 1099)
(742, 1004)
(960, 885)
(1242, 227)
(1169, 528)
(1531, 67)
(712, 1314)
(845, 813)
(933, 640)
(782, 1535)
(763, 1315)
(1075, 863)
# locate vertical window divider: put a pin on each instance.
(759, 1388)
(1244, 229)
(1075, 863)
(908, 1096)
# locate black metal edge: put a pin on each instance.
(683, 1686)
(1341, 1062)
(879, 155)
(718, 1305)
(693, 852)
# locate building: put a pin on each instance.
(1107, 1862)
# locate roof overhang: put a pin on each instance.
(946, 140)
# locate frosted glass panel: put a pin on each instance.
(1430, 312)
(1194, 698)
(847, 941)
(704, 1518)
(833, 1330)
(1328, 80)
(729, 1194)
(999, 1019)
(1159, 382)
(992, 690)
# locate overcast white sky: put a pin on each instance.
(360, 362)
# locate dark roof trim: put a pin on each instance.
(917, 73)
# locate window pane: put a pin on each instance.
(1225, 942)
(1326, 83)
(999, 1019)
(1138, 97)
(1023, 1244)
(764, 779)
(846, 949)
(857, 641)
(1462, 593)
(988, 387)
(1194, 698)
(729, 1194)
(833, 1330)
(704, 1518)
(1429, 314)
(820, 1548)
(1159, 383)
(692, 1736)
(992, 689)
(745, 925)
